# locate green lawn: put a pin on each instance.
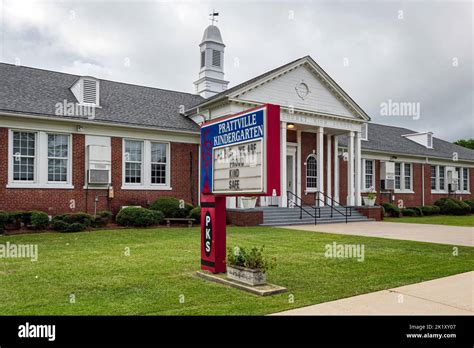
(160, 272)
(451, 220)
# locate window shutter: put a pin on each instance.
(216, 58)
(89, 91)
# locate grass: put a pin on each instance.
(451, 220)
(158, 277)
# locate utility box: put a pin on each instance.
(99, 164)
(387, 175)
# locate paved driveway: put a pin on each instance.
(452, 295)
(454, 235)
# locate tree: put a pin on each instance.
(469, 143)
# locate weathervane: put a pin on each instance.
(213, 14)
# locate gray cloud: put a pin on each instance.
(156, 44)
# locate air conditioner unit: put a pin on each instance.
(98, 176)
(99, 166)
(387, 176)
(452, 179)
(387, 184)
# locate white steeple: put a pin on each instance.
(211, 74)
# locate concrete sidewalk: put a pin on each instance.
(454, 235)
(452, 295)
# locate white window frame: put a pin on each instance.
(363, 166)
(364, 133)
(68, 159)
(142, 164)
(311, 189)
(146, 167)
(438, 189)
(41, 162)
(461, 189)
(402, 188)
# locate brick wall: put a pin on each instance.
(184, 183)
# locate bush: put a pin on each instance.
(139, 217)
(101, 219)
(430, 210)
(19, 217)
(81, 218)
(417, 210)
(59, 225)
(470, 202)
(409, 212)
(450, 206)
(252, 259)
(4, 218)
(75, 227)
(171, 207)
(195, 214)
(391, 209)
(39, 220)
(105, 214)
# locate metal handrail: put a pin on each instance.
(316, 209)
(318, 199)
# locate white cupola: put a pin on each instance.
(211, 74)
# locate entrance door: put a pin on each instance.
(290, 173)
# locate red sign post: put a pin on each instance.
(240, 156)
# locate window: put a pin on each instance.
(403, 176)
(146, 165)
(368, 175)
(216, 58)
(311, 172)
(465, 179)
(133, 161)
(441, 172)
(407, 177)
(398, 174)
(203, 58)
(158, 163)
(24, 156)
(58, 154)
(39, 159)
(434, 177)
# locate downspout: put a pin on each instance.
(423, 182)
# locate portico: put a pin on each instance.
(314, 112)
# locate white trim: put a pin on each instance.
(350, 170)
(363, 170)
(329, 169)
(41, 162)
(402, 188)
(320, 160)
(299, 175)
(146, 167)
(336, 168)
(357, 171)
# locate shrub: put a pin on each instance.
(139, 217)
(450, 206)
(75, 227)
(391, 209)
(417, 210)
(39, 220)
(19, 217)
(59, 225)
(252, 259)
(4, 218)
(105, 214)
(430, 210)
(470, 202)
(101, 219)
(171, 207)
(409, 212)
(195, 214)
(82, 218)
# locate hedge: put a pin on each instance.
(470, 202)
(139, 217)
(430, 210)
(172, 207)
(195, 214)
(39, 220)
(409, 212)
(391, 209)
(450, 206)
(4, 217)
(417, 210)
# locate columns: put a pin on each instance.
(329, 169)
(336, 168)
(320, 152)
(357, 170)
(283, 171)
(350, 169)
(298, 163)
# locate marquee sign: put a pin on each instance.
(239, 153)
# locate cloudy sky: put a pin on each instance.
(403, 51)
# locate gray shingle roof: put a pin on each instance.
(36, 92)
(389, 139)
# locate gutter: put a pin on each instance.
(86, 121)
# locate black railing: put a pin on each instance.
(347, 211)
(298, 202)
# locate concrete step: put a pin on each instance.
(319, 222)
